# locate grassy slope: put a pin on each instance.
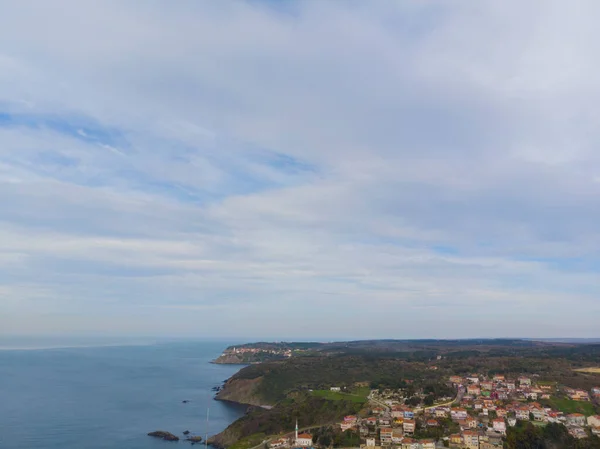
(569, 406)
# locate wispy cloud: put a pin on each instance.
(416, 169)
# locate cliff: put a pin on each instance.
(243, 391)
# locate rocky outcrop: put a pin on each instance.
(194, 439)
(167, 436)
(242, 391)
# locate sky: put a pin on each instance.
(267, 169)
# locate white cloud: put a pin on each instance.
(248, 164)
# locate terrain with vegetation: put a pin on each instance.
(296, 381)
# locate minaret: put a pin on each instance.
(296, 431)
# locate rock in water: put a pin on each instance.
(194, 439)
(187, 432)
(167, 436)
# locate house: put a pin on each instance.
(577, 432)
(399, 421)
(351, 419)
(281, 442)
(385, 435)
(385, 421)
(378, 411)
(397, 412)
(576, 419)
(370, 442)
(432, 423)
(499, 425)
(522, 413)
(474, 390)
(511, 385)
(498, 378)
(371, 421)
(397, 436)
(539, 414)
(409, 414)
(409, 426)
(347, 426)
(478, 405)
(512, 422)
(578, 395)
(456, 380)
(304, 440)
(473, 379)
(471, 439)
(427, 444)
(409, 443)
(501, 412)
(524, 381)
(458, 413)
(530, 394)
(336, 389)
(441, 413)
(554, 417)
(593, 421)
(456, 438)
(462, 423)
(487, 385)
(471, 422)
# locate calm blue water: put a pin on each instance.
(110, 397)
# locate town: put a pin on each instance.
(476, 418)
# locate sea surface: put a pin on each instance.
(110, 397)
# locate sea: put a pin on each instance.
(109, 395)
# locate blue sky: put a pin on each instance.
(320, 170)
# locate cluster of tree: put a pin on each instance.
(330, 436)
(552, 436)
(306, 409)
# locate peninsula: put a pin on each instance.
(480, 394)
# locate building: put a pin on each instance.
(499, 426)
(457, 380)
(455, 438)
(347, 426)
(498, 378)
(577, 432)
(336, 389)
(397, 436)
(522, 413)
(281, 442)
(474, 390)
(576, 419)
(385, 436)
(370, 442)
(409, 414)
(427, 444)
(441, 413)
(409, 426)
(471, 439)
(593, 421)
(487, 385)
(458, 413)
(432, 423)
(304, 440)
(409, 443)
(524, 381)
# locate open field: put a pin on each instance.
(591, 370)
(339, 396)
(569, 406)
